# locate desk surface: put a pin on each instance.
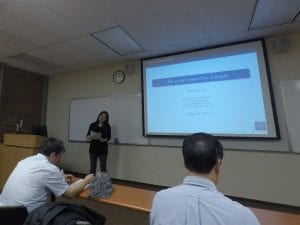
(268, 217)
(141, 200)
(129, 197)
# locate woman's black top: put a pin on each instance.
(97, 147)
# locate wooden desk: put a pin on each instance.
(268, 217)
(128, 197)
(141, 200)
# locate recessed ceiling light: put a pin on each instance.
(118, 40)
(274, 12)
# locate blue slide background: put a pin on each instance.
(218, 105)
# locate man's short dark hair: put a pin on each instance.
(201, 151)
(51, 145)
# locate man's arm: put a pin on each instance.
(78, 186)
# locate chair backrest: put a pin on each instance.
(13, 215)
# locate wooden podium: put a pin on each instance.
(15, 148)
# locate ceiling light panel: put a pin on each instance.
(116, 39)
(274, 12)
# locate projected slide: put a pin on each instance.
(219, 95)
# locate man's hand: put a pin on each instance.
(88, 178)
(78, 185)
(69, 178)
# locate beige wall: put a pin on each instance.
(265, 176)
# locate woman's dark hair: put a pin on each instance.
(201, 151)
(107, 117)
(51, 145)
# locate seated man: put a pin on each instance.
(35, 177)
(197, 201)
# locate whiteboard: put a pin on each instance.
(125, 117)
(291, 97)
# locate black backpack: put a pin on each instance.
(58, 213)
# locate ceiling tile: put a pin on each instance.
(67, 50)
(224, 17)
(90, 46)
(84, 13)
(185, 21)
(6, 52)
(25, 31)
(149, 33)
(52, 56)
(15, 43)
(59, 31)
(128, 10)
(173, 49)
(41, 16)
(227, 38)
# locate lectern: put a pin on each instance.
(15, 148)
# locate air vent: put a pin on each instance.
(35, 61)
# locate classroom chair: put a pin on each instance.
(13, 215)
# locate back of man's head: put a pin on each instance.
(51, 145)
(201, 152)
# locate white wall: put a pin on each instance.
(265, 176)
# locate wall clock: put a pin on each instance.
(118, 77)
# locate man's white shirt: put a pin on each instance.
(31, 181)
